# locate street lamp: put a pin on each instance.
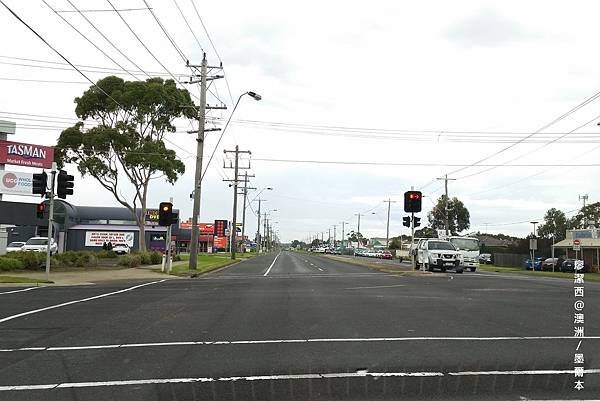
(200, 176)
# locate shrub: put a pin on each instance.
(130, 260)
(144, 258)
(155, 257)
(106, 254)
(76, 259)
(176, 258)
(30, 260)
(10, 264)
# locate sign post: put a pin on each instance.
(576, 246)
(50, 221)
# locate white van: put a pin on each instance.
(469, 249)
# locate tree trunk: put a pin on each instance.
(142, 236)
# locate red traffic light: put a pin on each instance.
(412, 201)
(40, 209)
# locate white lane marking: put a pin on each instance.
(270, 267)
(305, 376)
(376, 286)
(5, 319)
(24, 289)
(298, 341)
(320, 269)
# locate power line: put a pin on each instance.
(189, 26)
(85, 37)
(214, 49)
(143, 44)
(54, 50)
(82, 67)
(103, 10)
(107, 39)
(42, 81)
(185, 59)
(415, 164)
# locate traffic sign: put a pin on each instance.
(576, 245)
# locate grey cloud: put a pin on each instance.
(487, 28)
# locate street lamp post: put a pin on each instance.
(199, 174)
(258, 239)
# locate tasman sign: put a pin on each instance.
(26, 154)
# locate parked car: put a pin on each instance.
(386, 255)
(359, 251)
(552, 264)
(40, 244)
(537, 264)
(436, 253)
(569, 266)
(121, 249)
(485, 258)
(14, 246)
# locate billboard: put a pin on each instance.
(15, 183)
(26, 154)
(220, 228)
(220, 242)
(98, 238)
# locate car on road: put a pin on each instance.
(537, 264)
(569, 266)
(121, 249)
(386, 255)
(552, 264)
(14, 246)
(40, 244)
(436, 253)
(485, 259)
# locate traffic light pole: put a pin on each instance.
(168, 245)
(50, 222)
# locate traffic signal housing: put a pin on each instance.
(165, 214)
(38, 186)
(40, 209)
(416, 221)
(65, 184)
(412, 201)
(406, 221)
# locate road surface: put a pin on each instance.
(293, 326)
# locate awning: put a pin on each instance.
(584, 243)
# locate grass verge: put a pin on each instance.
(207, 263)
(518, 270)
(13, 279)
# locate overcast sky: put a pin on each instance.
(493, 71)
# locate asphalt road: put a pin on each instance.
(292, 326)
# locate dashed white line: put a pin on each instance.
(21, 290)
(294, 341)
(375, 287)
(270, 267)
(305, 376)
(5, 319)
(320, 269)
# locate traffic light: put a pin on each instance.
(40, 209)
(406, 221)
(165, 214)
(416, 221)
(412, 201)
(65, 184)
(39, 184)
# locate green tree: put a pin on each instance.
(590, 214)
(555, 225)
(126, 150)
(458, 215)
(426, 232)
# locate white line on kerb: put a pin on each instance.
(305, 376)
(295, 341)
(5, 319)
(21, 290)
(270, 267)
